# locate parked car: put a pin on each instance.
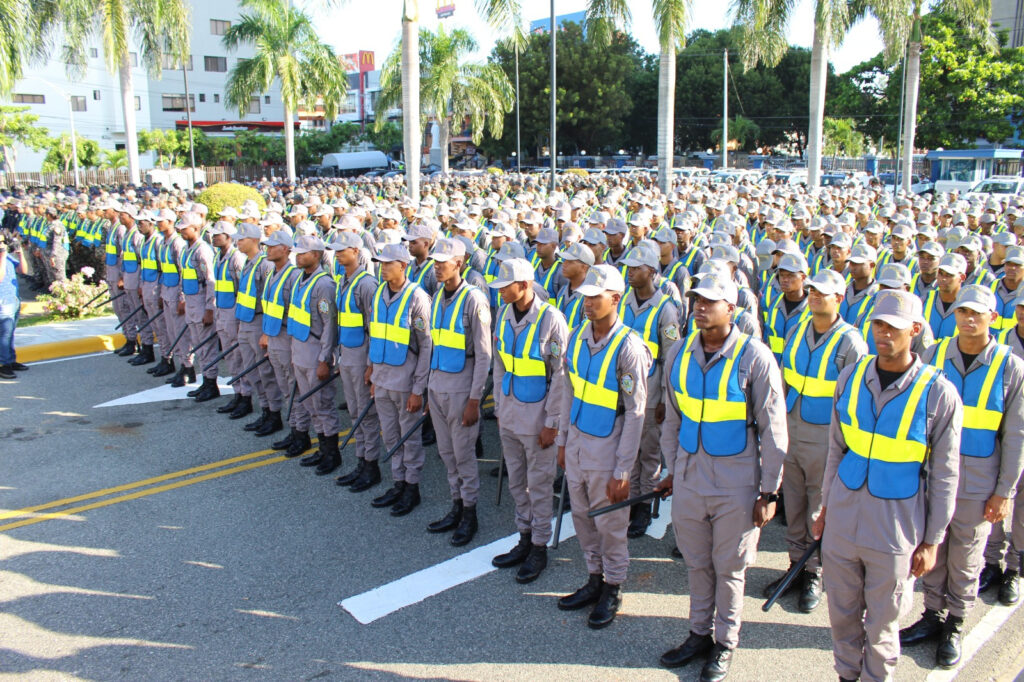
(918, 185)
(998, 185)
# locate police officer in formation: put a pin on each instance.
(730, 371)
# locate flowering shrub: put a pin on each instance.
(67, 299)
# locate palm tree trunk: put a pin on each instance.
(411, 133)
(819, 73)
(910, 111)
(289, 142)
(666, 115)
(131, 137)
(444, 132)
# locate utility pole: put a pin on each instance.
(519, 152)
(553, 146)
(725, 109)
(188, 117)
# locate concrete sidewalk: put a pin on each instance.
(68, 338)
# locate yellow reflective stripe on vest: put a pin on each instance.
(653, 342)
(718, 409)
(816, 386)
(385, 330)
(596, 393)
(875, 445)
(524, 365)
(270, 306)
(346, 318)
(448, 337)
(300, 312)
(978, 416)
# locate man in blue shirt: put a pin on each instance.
(10, 307)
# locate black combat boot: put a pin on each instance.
(641, 519)
(536, 562)
(468, 527)
(331, 459)
(208, 391)
(255, 425)
(273, 424)
(585, 596)
(449, 521)
(927, 627)
(369, 478)
(229, 406)
(516, 555)
(300, 444)
(409, 500)
(607, 606)
(352, 476)
(389, 497)
(243, 408)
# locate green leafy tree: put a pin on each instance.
(171, 146)
(149, 29)
(287, 49)
(214, 151)
(742, 131)
(842, 138)
(18, 128)
(60, 156)
(384, 138)
(452, 89)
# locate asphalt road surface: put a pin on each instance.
(158, 541)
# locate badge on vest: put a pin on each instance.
(627, 384)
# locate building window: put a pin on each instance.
(254, 106)
(177, 102)
(216, 64)
(134, 57)
(219, 27)
(77, 103)
(96, 95)
(216, 98)
(171, 63)
(266, 99)
(138, 103)
(94, 53)
(29, 99)
(202, 98)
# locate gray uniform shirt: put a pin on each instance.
(668, 334)
(981, 477)
(323, 323)
(202, 262)
(850, 349)
(760, 462)
(552, 334)
(410, 377)
(476, 320)
(618, 451)
(898, 526)
(429, 280)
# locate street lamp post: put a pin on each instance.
(553, 147)
(188, 117)
(71, 122)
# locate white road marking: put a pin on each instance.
(415, 587)
(975, 639)
(164, 392)
(659, 526)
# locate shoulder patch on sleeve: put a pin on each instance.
(672, 332)
(419, 323)
(556, 350)
(628, 383)
(322, 306)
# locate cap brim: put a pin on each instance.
(976, 306)
(709, 294)
(502, 283)
(946, 270)
(895, 284)
(441, 257)
(893, 321)
(823, 288)
(859, 259)
(591, 290)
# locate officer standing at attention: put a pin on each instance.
(249, 313)
(227, 274)
(170, 250)
(989, 379)
(354, 302)
(149, 291)
(131, 277)
(816, 351)
(275, 299)
(400, 350)
(529, 339)
(724, 439)
(789, 309)
(197, 284)
(313, 328)
(653, 315)
(602, 416)
(55, 252)
(577, 259)
(889, 488)
(460, 328)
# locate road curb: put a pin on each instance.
(63, 349)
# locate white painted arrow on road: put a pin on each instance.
(165, 392)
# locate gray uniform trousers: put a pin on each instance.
(227, 329)
(321, 409)
(867, 591)
(648, 463)
(953, 583)
(802, 474)
(249, 353)
(207, 353)
(395, 422)
(131, 328)
(456, 444)
(718, 540)
(174, 323)
(284, 377)
(158, 328)
(997, 549)
(120, 306)
(357, 395)
(531, 473)
(603, 538)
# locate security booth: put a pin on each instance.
(960, 169)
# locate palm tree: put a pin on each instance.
(671, 18)
(114, 159)
(25, 24)
(451, 90)
(155, 28)
(900, 24)
(287, 49)
(741, 129)
(764, 23)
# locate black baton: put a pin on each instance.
(113, 298)
(625, 503)
(248, 369)
(418, 424)
(184, 329)
(334, 375)
(202, 343)
(151, 320)
(130, 316)
(222, 355)
(359, 420)
(791, 575)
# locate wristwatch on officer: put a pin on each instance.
(770, 497)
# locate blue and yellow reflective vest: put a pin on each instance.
(595, 381)
(525, 374)
(273, 302)
(811, 375)
(389, 327)
(224, 286)
(351, 323)
(245, 300)
(448, 333)
(299, 317)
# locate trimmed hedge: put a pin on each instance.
(223, 194)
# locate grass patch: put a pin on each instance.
(46, 318)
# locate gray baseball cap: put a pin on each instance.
(787, 246)
(447, 249)
(932, 249)
(1005, 239)
(828, 282)
(896, 307)
(953, 263)
(393, 252)
(510, 250)
(726, 252)
(874, 226)
(279, 238)
(418, 231)
(863, 253)
(248, 231)
(223, 227)
(308, 243)
(615, 226)
(791, 262)
(664, 235)
(513, 270)
(345, 240)
(547, 235)
(1015, 254)
(903, 231)
(976, 297)
(639, 255)
(1019, 300)
(601, 278)
(596, 236)
(894, 275)
(577, 252)
(842, 240)
(714, 287)
(970, 242)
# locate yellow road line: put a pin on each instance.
(142, 493)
